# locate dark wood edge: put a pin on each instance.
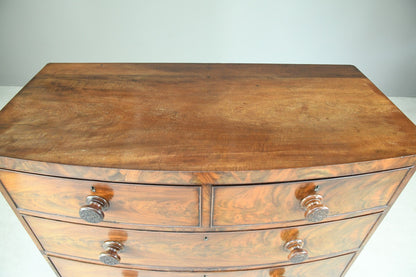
(203, 229)
(26, 226)
(116, 225)
(51, 264)
(393, 199)
(196, 269)
(11, 203)
(202, 177)
(400, 188)
(296, 223)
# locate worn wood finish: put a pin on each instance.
(202, 118)
(275, 203)
(203, 251)
(152, 205)
(325, 268)
(204, 166)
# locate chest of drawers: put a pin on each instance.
(202, 169)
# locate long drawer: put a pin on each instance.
(332, 267)
(152, 205)
(221, 250)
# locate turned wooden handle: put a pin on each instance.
(93, 211)
(277, 272)
(297, 253)
(314, 209)
(110, 255)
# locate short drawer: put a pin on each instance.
(332, 267)
(276, 203)
(182, 251)
(154, 205)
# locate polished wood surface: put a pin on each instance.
(176, 206)
(204, 167)
(205, 177)
(273, 203)
(407, 178)
(152, 205)
(325, 268)
(203, 251)
(221, 118)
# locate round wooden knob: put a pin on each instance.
(277, 272)
(110, 255)
(314, 209)
(297, 253)
(93, 211)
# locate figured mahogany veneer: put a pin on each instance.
(157, 205)
(172, 206)
(202, 169)
(202, 251)
(328, 267)
(271, 203)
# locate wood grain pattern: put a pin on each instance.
(203, 177)
(325, 268)
(134, 204)
(202, 251)
(383, 215)
(275, 203)
(167, 207)
(9, 200)
(26, 226)
(211, 159)
(220, 118)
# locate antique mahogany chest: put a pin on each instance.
(202, 170)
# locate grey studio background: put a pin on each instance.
(378, 36)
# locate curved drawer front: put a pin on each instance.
(274, 203)
(129, 203)
(225, 250)
(332, 267)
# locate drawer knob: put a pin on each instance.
(297, 253)
(110, 255)
(314, 209)
(93, 211)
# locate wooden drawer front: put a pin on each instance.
(274, 203)
(203, 250)
(129, 203)
(332, 267)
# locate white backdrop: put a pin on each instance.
(378, 36)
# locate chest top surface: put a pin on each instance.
(203, 117)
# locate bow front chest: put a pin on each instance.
(202, 170)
